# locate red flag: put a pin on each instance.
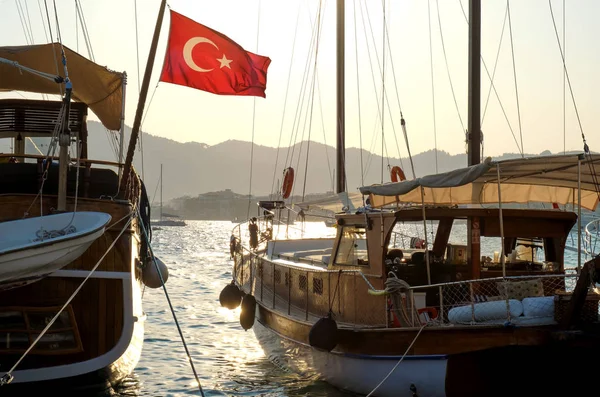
(202, 58)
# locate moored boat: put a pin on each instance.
(35, 247)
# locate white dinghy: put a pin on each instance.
(32, 248)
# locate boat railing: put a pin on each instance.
(360, 300)
(591, 241)
(309, 293)
(528, 300)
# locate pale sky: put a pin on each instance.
(185, 114)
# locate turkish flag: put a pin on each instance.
(202, 58)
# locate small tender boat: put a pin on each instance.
(32, 248)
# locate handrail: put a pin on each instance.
(39, 156)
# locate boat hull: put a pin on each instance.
(356, 373)
(100, 372)
(476, 372)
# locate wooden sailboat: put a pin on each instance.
(82, 326)
(381, 320)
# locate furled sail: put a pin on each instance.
(96, 86)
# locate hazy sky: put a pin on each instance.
(185, 114)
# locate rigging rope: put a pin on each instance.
(512, 50)
(162, 281)
(362, 168)
(24, 25)
(137, 55)
(447, 66)
(487, 100)
(567, 75)
(296, 122)
(380, 111)
(564, 85)
(389, 46)
(383, 91)
(52, 40)
(287, 88)
(312, 103)
(586, 148)
(493, 86)
(253, 122)
(43, 21)
(432, 85)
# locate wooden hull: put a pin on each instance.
(105, 315)
(462, 362)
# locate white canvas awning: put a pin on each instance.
(549, 179)
(96, 86)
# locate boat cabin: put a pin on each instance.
(23, 173)
(366, 241)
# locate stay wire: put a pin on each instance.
(432, 85)
(447, 66)
(302, 95)
(493, 86)
(253, 123)
(380, 111)
(43, 21)
(137, 56)
(162, 281)
(287, 88)
(512, 49)
(562, 55)
(312, 102)
(564, 101)
(362, 168)
(487, 100)
(383, 90)
(391, 56)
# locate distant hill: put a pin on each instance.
(193, 168)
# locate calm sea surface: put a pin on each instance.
(228, 360)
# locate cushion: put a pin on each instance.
(485, 311)
(521, 289)
(540, 306)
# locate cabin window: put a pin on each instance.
(352, 248)
(302, 282)
(287, 278)
(260, 270)
(20, 326)
(277, 276)
(318, 286)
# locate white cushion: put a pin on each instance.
(539, 306)
(485, 311)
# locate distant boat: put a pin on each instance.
(35, 247)
(165, 222)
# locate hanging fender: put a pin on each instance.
(288, 182)
(397, 174)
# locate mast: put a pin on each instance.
(474, 127)
(341, 134)
(142, 101)
(161, 191)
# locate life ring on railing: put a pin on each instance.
(288, 182)
(397, 174)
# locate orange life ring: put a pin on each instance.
(288, 182)
(397, 174)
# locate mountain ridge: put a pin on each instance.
(193, 168)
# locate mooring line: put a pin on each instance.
(162, 281)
